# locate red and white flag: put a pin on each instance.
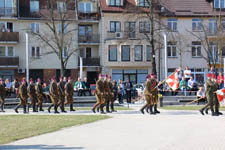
(173, 81)
(221, 96)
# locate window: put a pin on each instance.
(6, 26)
(196, 25)
(142, 3)
(212, 26)
(219, 3)
(172, 24)
(34, 5)
(196, 49)
(115, 26)
(34, 27)
(85, 7)
(35, 52)
(138, 52)
(144, 27)
(125, 52)
(148, 53)
(85, 30)
(6, 51)
(130, 27)
(213, 52)
(171, 49)
(6, 7)
(88, 52)
(61, 6)
(60, 28)
(114, 2)
(112, 52)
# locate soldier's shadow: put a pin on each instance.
(37, 147)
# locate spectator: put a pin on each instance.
(121, 91)
(183, 86)
(115, 90)
(220, 80)
(128, 88)
(201, 94)
(45, 87)
(15, 86)
(212, 71)
(187, 73)
(79, 87)
(192, 85)
(87, 85)
(8, 87)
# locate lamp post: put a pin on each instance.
(27, 57)
(165, 48)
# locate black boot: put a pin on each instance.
(17, 107)
(102, 109)
(98, 108)
(41, 109)
(142, 109)
(155, 109)
(93, 110)
(202, 111)
(24, 109)
(2, 108)
(147, 109)
(63, 109)
(71, 107)
(207, 111)
(214, 113)
(217, 111)
(112, 108)
(151, 111)
(55, 108)
(34, 108)
(49, 108)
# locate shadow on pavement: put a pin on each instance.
(37, 147)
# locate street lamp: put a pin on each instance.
(27, 57)
(165, 48)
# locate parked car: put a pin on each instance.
(139, 88)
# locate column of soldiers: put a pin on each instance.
(213, 103)
(104, 95)
(151, 95)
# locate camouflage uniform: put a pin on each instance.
(61, 87)
(99, 94)
(111, 96)
(33, 96)
(39, 93)
(23, 98)
(147, 93)
(54, 95)
(69, 95)
(106, 95)
(2, 97)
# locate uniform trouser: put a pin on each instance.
(148, 99)
(216, 102)
(69, 99)
(23, 102)
(40, 100)
(54, 100)
(33, 99)
(154, 99)
(100, 101)
(2, 102)
(62, 102)
(109, 100)
(210, 101)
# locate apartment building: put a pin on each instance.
(189, 20)
(89, 38)
(125, 55)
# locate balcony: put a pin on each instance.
(90, 61)
(88, 16)
(9, 37)
(7, 11)
(88, 39)
(9, 61)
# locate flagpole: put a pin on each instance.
(193, 101)
(81, 68)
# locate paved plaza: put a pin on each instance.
(130, 130)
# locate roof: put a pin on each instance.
(189, 8)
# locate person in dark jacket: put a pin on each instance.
(128, 88)
(88, 88)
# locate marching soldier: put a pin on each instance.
(147, 93)
(2, 95)
(33, 96)
(106, 94)
(111, 95)
(54, 95)
(154, 92)
(69, 94)
(99, 94)
(61, 87)
(39, 93)
(215, 99)
(23, 97)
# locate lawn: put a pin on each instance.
(192, 107)
(15, 127)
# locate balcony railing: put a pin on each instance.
(9, 36)
(88, 38)
(90, 61)
(9, 61)
(88, 16)
(8, 11)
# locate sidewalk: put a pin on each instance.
(130, 130)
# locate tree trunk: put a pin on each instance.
(62, 70)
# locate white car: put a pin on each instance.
(140, 88)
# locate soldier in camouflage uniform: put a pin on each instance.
(106, 93)
(215, 99)
(154, 92)
(61, 87)
(111, 94)
(54, 95)
(147, 93)
(33, 96)
(69, 94)
(99, 94)
(23, 97)
(2, 95)
(39, 93)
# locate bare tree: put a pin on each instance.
(60, 28)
